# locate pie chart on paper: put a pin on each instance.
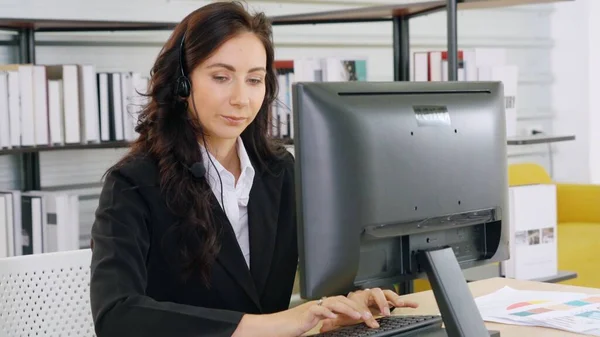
(524, 304)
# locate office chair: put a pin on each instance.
(46, 295)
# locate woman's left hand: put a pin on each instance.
(377, 300)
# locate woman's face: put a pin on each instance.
(228, 88)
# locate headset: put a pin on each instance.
(183, 85)
(183, 90)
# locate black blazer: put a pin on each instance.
(134, 289)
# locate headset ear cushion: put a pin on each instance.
(183, 87)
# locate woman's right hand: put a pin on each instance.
(301, 319)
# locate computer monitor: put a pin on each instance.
(397, 180)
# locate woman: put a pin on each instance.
(195, 232)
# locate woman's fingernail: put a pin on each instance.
(367, 315)
(387, 311)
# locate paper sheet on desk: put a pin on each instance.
(574, 312)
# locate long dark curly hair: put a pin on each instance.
(169, 133)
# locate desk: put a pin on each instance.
(493, 270)
(428, 305)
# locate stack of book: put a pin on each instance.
(36, 222)
(328, 69)
(53, 105)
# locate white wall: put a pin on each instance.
(594, 88)
(576, 32)
(525, 31)
(570, 95)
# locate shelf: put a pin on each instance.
(540, 139)
(44, 148)
(561, 276)
(285, 141)
(406, 8)
(50, 25)
(90, 146)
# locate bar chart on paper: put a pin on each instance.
(574, 312)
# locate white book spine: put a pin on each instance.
(50, 224)
(103, 104)
(37, 211)
(40, 105)
(71, 104)
(4, 112)
(56, 112)
(117, 106)
(63, 222)
(14, 108)
(10, 220)
(4, 246)
(90, 124)
(27, 112)
(421, 67)
(435, 66)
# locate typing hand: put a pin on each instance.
(306, 316)
(301, 319)
(376, 300)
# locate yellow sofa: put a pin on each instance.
(578, 215)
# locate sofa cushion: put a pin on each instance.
(579, 251)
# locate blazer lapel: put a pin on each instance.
(263, 212)
(231, 257)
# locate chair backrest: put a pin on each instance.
(46, 295)
(527, 174)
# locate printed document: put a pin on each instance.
(574, 312)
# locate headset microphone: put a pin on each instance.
(197, 169)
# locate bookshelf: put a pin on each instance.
(399, 13)
(26, 29)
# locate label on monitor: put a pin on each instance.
(432, 115)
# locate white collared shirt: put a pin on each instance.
(235, 196)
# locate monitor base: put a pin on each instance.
(457, 307)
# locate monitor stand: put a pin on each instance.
(459, 312)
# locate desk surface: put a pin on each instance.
(428, 305)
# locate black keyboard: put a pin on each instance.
(388, 326)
